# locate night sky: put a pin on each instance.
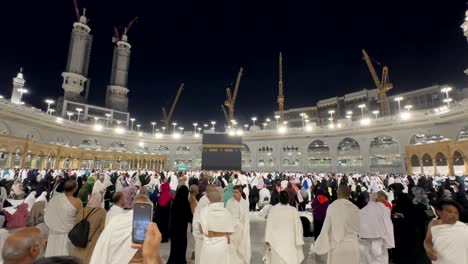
(203, 44)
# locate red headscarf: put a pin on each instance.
(165, 195)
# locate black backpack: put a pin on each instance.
(80, 232)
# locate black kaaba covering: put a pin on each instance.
(221, 152)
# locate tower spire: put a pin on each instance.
(280, 98)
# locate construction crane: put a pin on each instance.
(383, 85)
(280, 98)
(225, 114)
(118, 36)
(231, 97)
(167, 118)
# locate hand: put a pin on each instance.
(151, 245)
(432, 254)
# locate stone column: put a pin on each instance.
(465, 165)
(8, 162)
(451, 170)
(434, 165)
(421, 165)
(409, 166)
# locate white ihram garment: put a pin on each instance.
(114, 211)
(215, 250)
(240, 239)
(285, 235)
(339, 235)
(450, 243)
(114, 244)
(59, 216)
(198, 237)
(376, 233)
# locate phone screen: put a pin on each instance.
(142, 216)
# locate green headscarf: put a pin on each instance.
(228, 193)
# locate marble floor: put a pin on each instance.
(257, 235)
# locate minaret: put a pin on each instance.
(464, 26)
(75, 75)
(18, 86)
(280, 87)
(116, 95)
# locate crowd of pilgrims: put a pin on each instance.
(54, 201)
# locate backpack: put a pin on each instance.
(80, 232)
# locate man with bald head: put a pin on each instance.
(118, 200)
(114, 244)
(24, 246)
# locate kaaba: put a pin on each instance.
(221, 152)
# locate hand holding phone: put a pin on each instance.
(142, 216)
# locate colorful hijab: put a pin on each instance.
(129, 193)
(228, 193)
(165, 196)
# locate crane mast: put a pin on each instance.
(383, 85)
(280, 98)
(231, 97)
(167, 117)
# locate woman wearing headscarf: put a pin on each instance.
(36, 214)
(96, 216)
(253, 198)
(292, 195)
(228, 193)
(129, 193)
(16, 190)
(181, 215)
(163, 211)
(85, 190)
(319, 211)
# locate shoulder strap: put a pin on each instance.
(90, 213)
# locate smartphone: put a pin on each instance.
(142, 216)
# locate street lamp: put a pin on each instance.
(446, 90)
(49, 102)
(96, 119)
(51, 111)
(267, 120)
(253, 120)
(138, 127)
(153, 124)
(213, 123)
(107, 119)
(163, 128)
(118, 123)
(246, 127)
(302, 118)
(195, 127)
(174, 124)
(331, 112)
(69, 114)
(181, 130)
(408, 107)
(22, 91)
(264, 125)
(277, 119)
(132, 120)
(79, 110)
(376, 113)
(398, 99)
(349, 114)
(362, 109)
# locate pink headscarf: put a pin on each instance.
(165, 195)
(95, 201)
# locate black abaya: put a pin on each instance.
(161, 217)
(181, 215)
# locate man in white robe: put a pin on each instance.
(376, 231)
(197, 235)
(59, 216)
(339, 235)
(114, 244)
(240, 239)
(284, 234)
(118, 200)
(99, 186)
(447, 238)
(216, 225)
